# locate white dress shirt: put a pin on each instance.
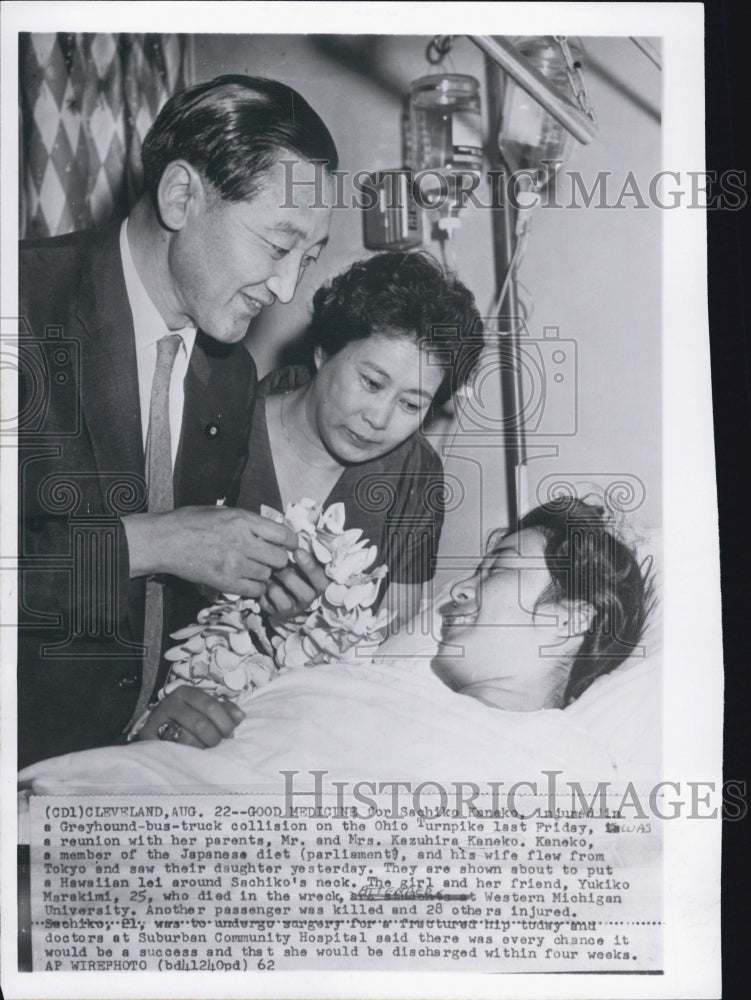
(149, 327)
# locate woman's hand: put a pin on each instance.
(292, 590)
(198, 719)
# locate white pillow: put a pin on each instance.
(623, 709)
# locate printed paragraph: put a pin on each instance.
(183, 882)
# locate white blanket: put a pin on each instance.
(387, 720)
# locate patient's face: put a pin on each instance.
(493, 640)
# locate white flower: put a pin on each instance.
(369, 592)
(303, 516)
(260, 671)
(332, 519)
(187, 633)
(361, 593)
(241, 642)
(227, 651)
(327, 546)
(291, 653)
(349, 563)
(335, 593)
(223, 660)
(321, 551)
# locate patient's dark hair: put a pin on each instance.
(588, 562)
(403, 295)
(233, 129)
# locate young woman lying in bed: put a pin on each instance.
(551, 607)
(551, 610)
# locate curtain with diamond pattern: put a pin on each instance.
(86, 103)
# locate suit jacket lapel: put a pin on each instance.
(219, 388)
(109, 374)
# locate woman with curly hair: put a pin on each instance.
(392, 337)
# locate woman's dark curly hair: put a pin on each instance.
(402, 295)
(589, 563)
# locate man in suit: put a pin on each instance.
(136, 396)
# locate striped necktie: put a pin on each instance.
(161, 499)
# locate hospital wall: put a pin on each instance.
(591, 276)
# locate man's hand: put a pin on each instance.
(230, 550)
(293, 589)
(203, 720)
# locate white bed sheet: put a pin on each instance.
(384, 720)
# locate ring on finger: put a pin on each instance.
(170, 731)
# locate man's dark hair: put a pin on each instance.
(402, 294)
(588, 562)
(232, 130)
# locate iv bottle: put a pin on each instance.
(528, 133)
(445, 131)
